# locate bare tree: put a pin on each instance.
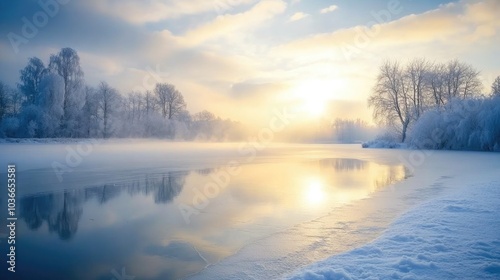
(204, 116)
(391, 98)
(495, 87)
(415, 74)
(170, 100)
(451, 80)
(108, 100)
(461, 80)
(90, 113)
(149, 103)
(134, 106)
(470, 84)
(436, 81)
(11, 101)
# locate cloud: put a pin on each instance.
(225, 55)
(329, 9)
(452, 25)
(298, 16)
(225, 25)
(157, 10)
(467, 30)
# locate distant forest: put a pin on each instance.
(54, 101)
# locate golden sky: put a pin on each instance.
(243, 58)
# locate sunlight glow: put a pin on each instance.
(313, 96)
(314, 108)
(314, 192)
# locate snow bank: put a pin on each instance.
(471, 124)
(382, 144)
(453, 237)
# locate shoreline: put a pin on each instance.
(447, 237)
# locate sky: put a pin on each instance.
(244, 59)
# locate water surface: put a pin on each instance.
(161, 224)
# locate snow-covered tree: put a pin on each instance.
(4, 101)
(31, 122)
(31, 77)
(150, 103)
(108, 101)
(453, 80)
(88, 119)
(67, 65)
(170, 100)
(50, 102)
(462, 124)
(51, 95)
(416, 74)
(403, 93)
(495, 87)
(204, 123)
(461, 80)
(350, 131)
(11, 101)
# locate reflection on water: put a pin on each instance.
(62, 210)
(344, 164)
(138, 224)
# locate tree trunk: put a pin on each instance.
(403, 136)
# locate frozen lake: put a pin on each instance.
(159, 210)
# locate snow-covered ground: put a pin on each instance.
(453, 237)
(383, 144)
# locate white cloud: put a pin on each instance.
(240, 49)
(298, 16)
(226, 24)
(463, 23)
(156, 10)
(329, 9)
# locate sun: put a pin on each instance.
(313, 96)
(314, 107)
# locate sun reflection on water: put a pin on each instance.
(315, 193)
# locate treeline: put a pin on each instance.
(351, 131)
(472, 124)
(329, 130)
(439, 105)
(54, 101)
